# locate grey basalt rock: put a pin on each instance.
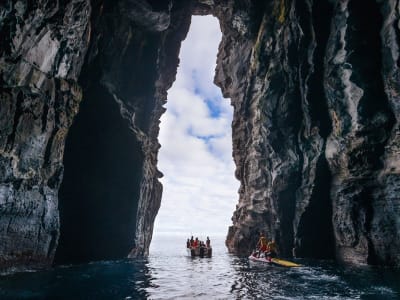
(41, 56)
(131, 63)
(361, 97)
(271, 126)
(315, 130)
(41, 61)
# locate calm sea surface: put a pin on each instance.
(169, 274)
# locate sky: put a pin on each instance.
(200, 191)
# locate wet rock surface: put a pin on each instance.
(39, 97)
(315, 129)
(314, 86)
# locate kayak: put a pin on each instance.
(274, 261)
(284, 263)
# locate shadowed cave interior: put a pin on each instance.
(100, 184)
(98, 198)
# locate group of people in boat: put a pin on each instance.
(196, 243)
(195, 247)
(265, 248)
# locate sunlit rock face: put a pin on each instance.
(314, 86)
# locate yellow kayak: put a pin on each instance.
(274, 261)
(284, 263)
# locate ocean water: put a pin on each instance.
(169, 274)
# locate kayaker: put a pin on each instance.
(262, 244)
(271, 249)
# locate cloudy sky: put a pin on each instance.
(200, 191)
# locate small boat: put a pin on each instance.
(273, 261)
(199, 251)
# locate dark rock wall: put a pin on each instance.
(359, 89)
(277, 144)
(124, 55)
(111, 193)
(41, 42)
(314, 86)
(315, 130)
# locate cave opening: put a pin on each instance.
(199, 187)
(95, 199)
(315, 235)
(103, 159)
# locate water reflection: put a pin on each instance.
(225, 276)
(126, 279)
(169, 274)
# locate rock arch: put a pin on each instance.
(315, 129)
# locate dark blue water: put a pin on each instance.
(169, 274)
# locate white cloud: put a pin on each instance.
(198, 56)
(200, 191)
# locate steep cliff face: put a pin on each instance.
(314, 86)
(110, 193)
(39, 96)
(280, 123)
(361, 87)
(315, 131)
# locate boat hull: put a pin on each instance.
(199, 252)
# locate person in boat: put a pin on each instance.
(188, 243)
(208, 242)
(191, 241)
(202, 249)
(262, 244)
(196, 243)
(271, 249)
